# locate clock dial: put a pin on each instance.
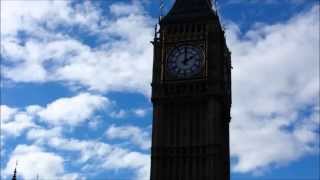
(184, 61)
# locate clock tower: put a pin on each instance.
(191, 95)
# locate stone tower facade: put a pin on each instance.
(191, 95)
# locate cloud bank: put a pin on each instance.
(275, 92)
(46, 52)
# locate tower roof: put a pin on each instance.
(187, 10)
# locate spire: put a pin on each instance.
(161, 9)
(14, 177)
(186, 9)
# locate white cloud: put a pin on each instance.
(64, 111)
(51, 165)
(125, 9)
(89, 149)
(123, 55)
(121, 159)
(118, 114)
(7, 113)
(121, 113)
(41, 135)
(126, 69)
(33, 109)
(306, 133)
(276, 74)
(29, 16)
(14, 122)
(73, 110)
(134, 134)
(33, 160)
(140, 112)
(99, 154)
(95, 122)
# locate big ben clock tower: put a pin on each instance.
(191, 95)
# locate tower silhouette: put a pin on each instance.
(191, 95)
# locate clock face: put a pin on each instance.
(185, 61)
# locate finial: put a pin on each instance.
(14, 177)
(161, 9)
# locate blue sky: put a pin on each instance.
(75, 88)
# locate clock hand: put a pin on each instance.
(185, 55)
(187, 60)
